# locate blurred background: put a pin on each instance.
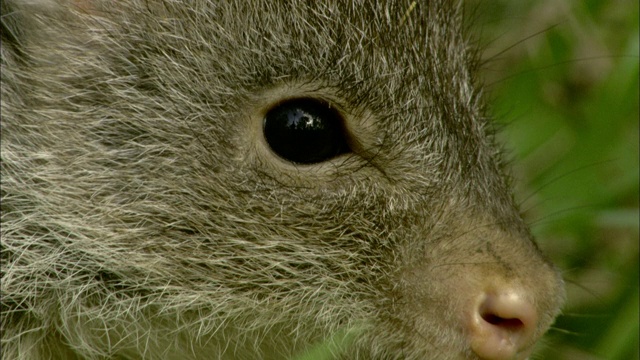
(562, 81)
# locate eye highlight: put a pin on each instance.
(305, 131)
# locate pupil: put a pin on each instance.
(305, 131)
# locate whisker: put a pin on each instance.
(562, 176)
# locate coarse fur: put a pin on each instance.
(144, 216)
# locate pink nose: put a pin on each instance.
(502, 325)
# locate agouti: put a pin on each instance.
(243, 179)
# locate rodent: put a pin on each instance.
(241, 180)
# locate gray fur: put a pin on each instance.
(143, 216)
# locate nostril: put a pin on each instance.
(509, 324)
(502, 325)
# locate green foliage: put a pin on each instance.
(566, 91)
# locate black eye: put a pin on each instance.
(305, 131)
